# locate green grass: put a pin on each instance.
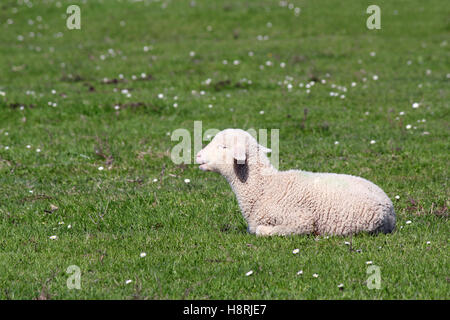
(194, 235)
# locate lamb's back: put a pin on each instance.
(339, 203)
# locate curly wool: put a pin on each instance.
(299, 202)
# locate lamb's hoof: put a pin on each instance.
(263, 231)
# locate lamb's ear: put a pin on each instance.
(264, 149)
(240, 153)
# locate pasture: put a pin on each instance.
(86, 117)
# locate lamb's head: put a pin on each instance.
(229, 148)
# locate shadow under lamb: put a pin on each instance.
(294, 202)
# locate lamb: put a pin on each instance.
(294, 202)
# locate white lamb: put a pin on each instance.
(294, 202)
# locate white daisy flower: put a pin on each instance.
(295, 251)
(249, 273)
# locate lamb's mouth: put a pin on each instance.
(203, 166)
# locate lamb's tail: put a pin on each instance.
(388, 222)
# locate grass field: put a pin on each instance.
(108, 96)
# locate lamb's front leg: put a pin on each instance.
(282, 230)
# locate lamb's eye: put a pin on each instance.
(222, 146)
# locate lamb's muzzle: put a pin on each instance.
(203, 163)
